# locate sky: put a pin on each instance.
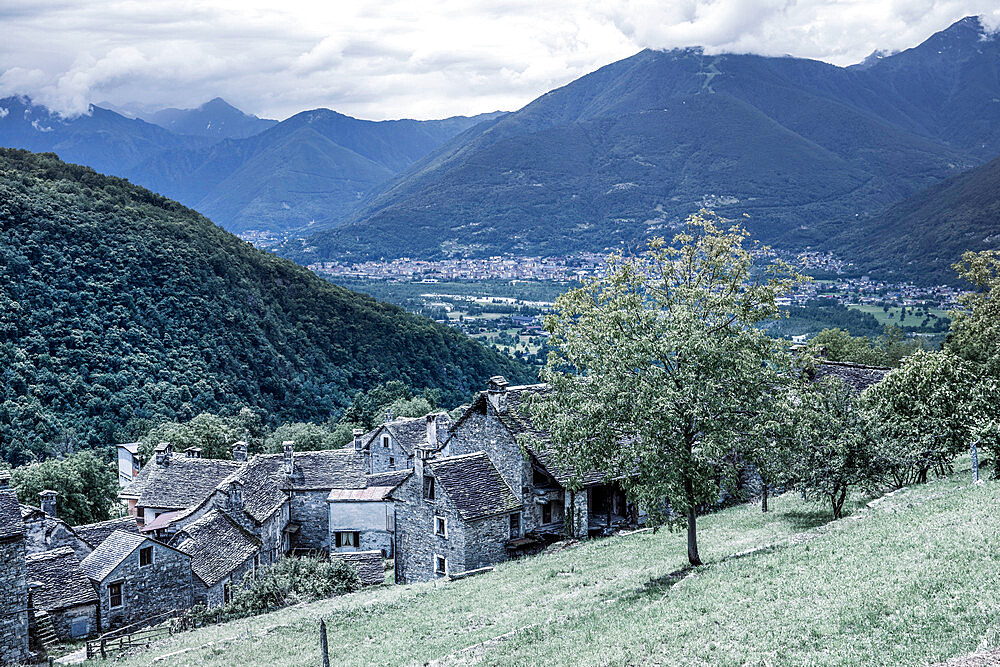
(409, 58)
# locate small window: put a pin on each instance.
(392, 461)
(227, 592)
(440, 526)
(115, 595)
(515, 526)
(145, 556)
(547, 513)
(428, 488)
(385, 441)
(440, 564)
(347, 539)
(256, 563)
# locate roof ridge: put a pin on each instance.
(51, 553)
(460, 456)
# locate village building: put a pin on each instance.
(364, 519)
(453, 514)
(368, 565)
(556, 500)
(95, 533)
(13, 578)
(63, 601)
(223, 553)
(857, 377)
(128, 462)
(390, 446)
(44, 531)
(137, 579)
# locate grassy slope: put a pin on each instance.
(912, 581)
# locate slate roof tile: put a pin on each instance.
(116, 548)
(183, 482)
(11, 524)
(57, 580)
(474, 485)
(855, 376)
(217, 546)
(410, 432)
(95, 533)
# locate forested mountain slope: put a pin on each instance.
(626, 152)
(119, 308)
(215, 118)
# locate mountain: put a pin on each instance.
(921, 237)
(120, 308)
(216, 118)
(627, 151)
(107, 141)
(314, 167)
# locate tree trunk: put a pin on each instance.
(838, 502)
(763, 498)
(693, 556)
(974, 453)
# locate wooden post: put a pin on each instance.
(323, 647)
(104, 653)
(974, 452)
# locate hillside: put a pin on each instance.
(631, 149)
(909, 581)
(119, 307)
(922, 236)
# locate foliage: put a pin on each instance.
(369, 408)
(86, 482)
(306, 436)
(658, 365)
(888, 350)
(214, 434)
(120, 309)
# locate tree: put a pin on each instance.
(657, 366)
(919, 415)
(86, 483)
(214, 434)
(832, 449)
(306, 436)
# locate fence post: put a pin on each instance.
(104, 653)
(323, 648)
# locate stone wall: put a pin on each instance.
(13, 601)
(76, 622)
(271, 534)
(372, 519)
(216, 595)
(310, 510)
(486, 542)
(416, 541)
(147, 591)
(384, 459)
(45, 533)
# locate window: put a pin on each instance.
(515, 526)
(256, 563)
(385, 441)
(440, 526)
(115, 594)
(347, 539)
(428, 488)
(145, 556)
(227, 592)
(440, 564)
(392, 461)
(547, 513)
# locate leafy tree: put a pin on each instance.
(307, 437)
(87, 485)
(919, 415)
(214, 434)
(658, 365)
(889, 349)
(832, 449)
(769, 446)
(369, 408)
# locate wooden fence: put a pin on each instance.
(137, 635)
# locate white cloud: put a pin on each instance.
(408, 58)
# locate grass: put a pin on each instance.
(911, 581)
(913, 319)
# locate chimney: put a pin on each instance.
(358, 444)
(163, 451)
(432, 431)
(239, 450)
(48, 501)
(388, 416)
(193, 452)
(4, 479)
(236, 496)
(288, 446)
(496, 394)
(421, 455)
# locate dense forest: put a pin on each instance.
(120, 309)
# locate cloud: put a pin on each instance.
(408, 58)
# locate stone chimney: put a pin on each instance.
(236, 496)
(432, 431)
(496, 394)
(358, 442)
(420, 458)
(288, 447)
(388, 416)
(163, 451)
(193, 452)
(4, 479)
(239, 450)
(47, 499)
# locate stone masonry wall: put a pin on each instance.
(310, 510)
(271, 536)
(384, 459)
(147, 591)
(417, 542)
(13, 601)
(64, 620)
(216, 595)
(46, 533)
(486, 543)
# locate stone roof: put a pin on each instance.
(57, 581)
(855, 376)
(217, 546)
(105, 558)
(474, 485)
(517, 419)
(183, 482)
(367, 563)
(265, 483)
(134, 488)
(95, 533)
(11, 524)
(379, 487)
(411, 432)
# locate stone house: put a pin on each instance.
(44, 531)
(137, 579)
(60, 590)
(128, 462)
(364, 519)
(368, 565)
(453, 514)
(390, 446)
(556, 501)
(170, 483)
(95, 533)
(223, 553)
(856, 376)
(13, 578)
